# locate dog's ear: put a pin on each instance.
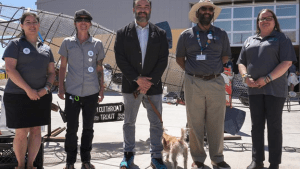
(165, 142)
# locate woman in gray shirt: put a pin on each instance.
(30, 68)
(263, 63)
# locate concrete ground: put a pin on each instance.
(108, 140)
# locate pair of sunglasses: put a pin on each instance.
(270, 18)
(210, 9)
(82, 20)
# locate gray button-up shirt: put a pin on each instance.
(143, 34)
(82, 79)
(262, 55)
(189, 47)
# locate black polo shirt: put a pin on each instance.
(32, 63)
(262, 55)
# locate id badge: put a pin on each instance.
(201, 57)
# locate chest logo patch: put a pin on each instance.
(26, 51)
(91, 69)
(90, 53)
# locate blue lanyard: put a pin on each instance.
(207, 42)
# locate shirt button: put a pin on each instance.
(140, 63)
(140, 52)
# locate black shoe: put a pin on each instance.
(87, 165)
(255, 165)
(69, 166)
(274, 166)
(197, 165)
(221, 165)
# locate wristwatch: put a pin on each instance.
(244, 76)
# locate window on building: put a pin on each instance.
(291, 35)
(225, 14)
(240, 22)
(287, 23)
(259, 8)
(242, 12)
(286, 10)
(239, 38)
(226, 25)
(245, 25)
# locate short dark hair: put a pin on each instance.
(134, 2)
(23, 17)
(277, 26)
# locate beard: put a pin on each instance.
(205, 20)
(142, 19)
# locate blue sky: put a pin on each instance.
(17, 3)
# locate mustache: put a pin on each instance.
(143, 13)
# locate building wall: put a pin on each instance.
(114, 14)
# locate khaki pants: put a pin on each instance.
(205, 105)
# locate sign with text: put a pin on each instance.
(109, 112)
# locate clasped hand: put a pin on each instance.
(144, 84)
(259, 83)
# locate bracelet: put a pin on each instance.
(269, 75)
(49, 84)
(265, 79)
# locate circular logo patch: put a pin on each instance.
(26, 51)
(90, 53)
(91, 69)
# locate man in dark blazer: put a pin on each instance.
(141, 51)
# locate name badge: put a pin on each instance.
(201, 57)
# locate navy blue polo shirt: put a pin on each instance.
(32, 63)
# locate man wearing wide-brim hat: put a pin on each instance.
(201, 52)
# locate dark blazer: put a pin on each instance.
(129, 57)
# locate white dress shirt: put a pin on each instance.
(143, 34)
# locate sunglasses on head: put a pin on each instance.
(210, 9)
(270, 18)
(82, 20)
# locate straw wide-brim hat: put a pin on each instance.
(195, 8)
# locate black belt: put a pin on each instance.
(208, 77)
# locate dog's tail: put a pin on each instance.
(182, 134)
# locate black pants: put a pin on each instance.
(266, 108)
(72, 108)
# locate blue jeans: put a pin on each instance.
(131, 110)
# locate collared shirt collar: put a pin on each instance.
(23, 37)
(90, 39)
(211, 28)
(138, 26)
(273, 33)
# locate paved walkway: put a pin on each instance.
(108, 140)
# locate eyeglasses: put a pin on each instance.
(270, 18)
(82, 20)
(31, 23)
(210, 9)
